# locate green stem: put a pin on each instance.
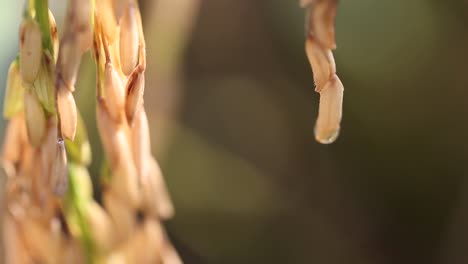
(42, 17)
(79, 204)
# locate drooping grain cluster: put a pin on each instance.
(135, 196)
(320, 33)
(34, 157)
(51, 216)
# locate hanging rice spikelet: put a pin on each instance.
(320, 41)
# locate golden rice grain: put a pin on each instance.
(129, 40)
(67, 109)
(327, 127)
(35, 118)
(30, 50)
(114, 92)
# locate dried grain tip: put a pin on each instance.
(69, 60)
(59, 178)
(321, 61)
(35, 118)
(54, 34)
(129, 39)
(114, 92)
(135, 89)
(67, 112)
(14, 93)
(30, 50)
(142, 44)
(327, 127)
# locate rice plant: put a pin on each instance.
(50, 215)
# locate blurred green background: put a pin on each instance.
(232, 109)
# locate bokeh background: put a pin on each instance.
(232, 107)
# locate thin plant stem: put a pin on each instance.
(42, 17)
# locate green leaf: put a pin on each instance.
(79, 196)
(42, 17)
